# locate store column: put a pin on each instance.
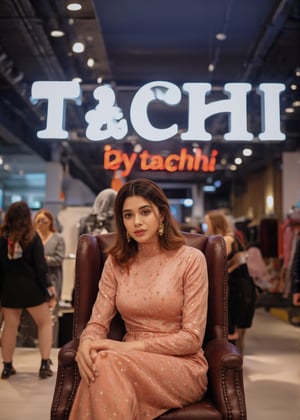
(198, 206)
(54, 177)
(53, 202)
(290, 180)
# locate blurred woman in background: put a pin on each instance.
(241, 288)
(54, 251)
(24, 284)
(54, 247)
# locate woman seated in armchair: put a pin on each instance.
(160, 287)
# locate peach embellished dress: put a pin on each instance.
(162, 298)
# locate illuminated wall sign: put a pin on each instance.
(116, 159)
(106, 120)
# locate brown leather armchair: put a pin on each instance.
(225, 397)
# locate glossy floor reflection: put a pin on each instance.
(271, 376)
(272, 369)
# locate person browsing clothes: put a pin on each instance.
(296, 274)
(160, 287)
(54, 247)
(241, 288)
(24, 284)
(54, 250)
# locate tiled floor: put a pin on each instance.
(271, 375)
(24, 395)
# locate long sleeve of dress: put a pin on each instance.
(163, 301)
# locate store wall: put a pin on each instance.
(291, 180)
(280, 180)
(254, 201)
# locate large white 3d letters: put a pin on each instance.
(56, 93)
(106, 120)
(236, 106)
(270, 105)
(160, 91)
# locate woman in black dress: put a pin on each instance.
(24, 284)
(241, 288)
(296, 274)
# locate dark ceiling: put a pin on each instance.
(134, 42)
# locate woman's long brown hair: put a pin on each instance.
(124, 251)
(18, 224)
(219, 223)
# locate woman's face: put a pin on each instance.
(141, 219)
(42, 222)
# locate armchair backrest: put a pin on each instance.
(89, 264)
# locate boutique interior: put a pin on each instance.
(218, 48)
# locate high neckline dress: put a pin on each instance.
(162, 297)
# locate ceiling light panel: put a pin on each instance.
(74, 7)
(57, 33)
(78, 47)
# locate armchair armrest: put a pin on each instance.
(67, 354)
(225, 378)
(67, 381)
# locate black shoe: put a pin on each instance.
(7, 371)
(45, 370)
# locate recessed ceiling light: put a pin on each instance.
(99, 80)
(238, 161)
(211, 67)
(137, 148)
(221, 36)
(293, 86)
(247, 152)
(78, 47)
(296, 103)
(289, 110)
(91, 62)
(233, 167)
(57, 33)
(74, 7)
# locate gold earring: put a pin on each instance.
(128, 237)
(161, 229)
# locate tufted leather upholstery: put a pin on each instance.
(225, 397)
